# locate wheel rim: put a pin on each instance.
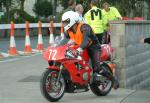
(55, 90)
(105, 86)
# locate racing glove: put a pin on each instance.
(79, 50)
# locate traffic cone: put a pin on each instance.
(62, 31)
(27, 49)
(12, 50)
(40, 46)
(51, 28)
(1, 56)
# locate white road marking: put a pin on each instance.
(5, 54)
(19, 58)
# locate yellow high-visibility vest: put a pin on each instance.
(96, 19)
(112, 14)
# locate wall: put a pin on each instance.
(131, 56)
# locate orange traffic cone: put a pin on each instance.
(51, 39)
(27, 49)
(12, 50)
(40, 46)
(62, 31)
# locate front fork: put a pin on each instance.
(59, 68)
(59, 75)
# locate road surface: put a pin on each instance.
(19, 83)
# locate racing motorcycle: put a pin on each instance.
(69, 73)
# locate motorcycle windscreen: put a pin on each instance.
(54, 53)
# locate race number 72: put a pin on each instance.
(52, 54)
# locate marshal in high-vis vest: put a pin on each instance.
(96, 19)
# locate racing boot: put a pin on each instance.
(115, 83)
(109, 75)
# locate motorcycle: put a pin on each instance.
(69, 73)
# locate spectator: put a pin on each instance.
(79, 9)
(111, 12)
(52, 18)
(16, 15)
(96, 19)
(71, 6)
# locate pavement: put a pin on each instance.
(19, 83)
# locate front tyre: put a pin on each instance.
(52, 89)
(102, 88)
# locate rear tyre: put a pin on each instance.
(103, 88)
(50, 88)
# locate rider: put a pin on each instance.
(83, 36)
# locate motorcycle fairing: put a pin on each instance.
(77, 75)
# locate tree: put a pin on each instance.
(64, 3)
(22, 5)
(43, 8)
(7, 4)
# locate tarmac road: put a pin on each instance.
(19, 83)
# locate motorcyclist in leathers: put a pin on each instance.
(83, 35)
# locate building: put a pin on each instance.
(28, 6)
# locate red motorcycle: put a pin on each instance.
(68, 73)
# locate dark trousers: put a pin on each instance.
(106, 38)
(100, 37)
(94, 54)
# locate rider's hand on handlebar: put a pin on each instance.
(80, 50)
(74, 52)
(77, 51)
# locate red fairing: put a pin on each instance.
(53, 67)
(55, 53)
(84, 54)
(52, 53)
(106, 52)
(80, 75)
(77, 75)
(58, 53)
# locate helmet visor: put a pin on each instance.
(66, 22)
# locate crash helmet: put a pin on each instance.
(69, 18)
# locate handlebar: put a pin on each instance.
(69, 54)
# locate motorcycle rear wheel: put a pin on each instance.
(104, 88)
(51, 90)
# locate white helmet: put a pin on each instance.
(69, 18)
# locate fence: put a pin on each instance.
(12, 51)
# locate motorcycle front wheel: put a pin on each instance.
(52, 88)
(102, 88)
